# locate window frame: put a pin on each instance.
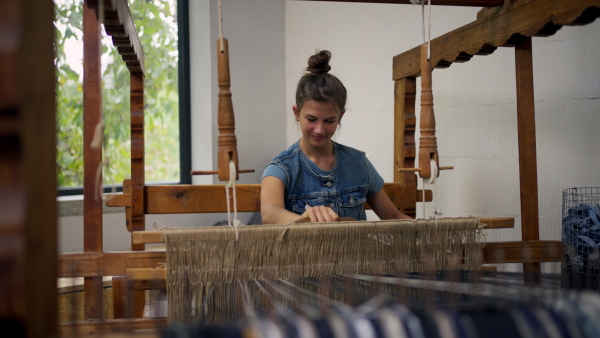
(185, 135)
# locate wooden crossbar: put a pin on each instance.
(151, 237)
(519, 19)
(146, 328)
(493, 253)
(174, 199)
(523, 252)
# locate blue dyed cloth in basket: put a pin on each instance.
(581, 233)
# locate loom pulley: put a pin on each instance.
(427, 142)
(227, 140)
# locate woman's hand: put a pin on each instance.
(321, 214)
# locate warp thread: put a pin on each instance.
(205, 264)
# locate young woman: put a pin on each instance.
(317, 178)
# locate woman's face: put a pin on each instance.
(318, 122)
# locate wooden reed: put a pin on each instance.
(204, 265)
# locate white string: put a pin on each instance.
(429, 32)
(423, 20)
(221, 28)
(431, 180)
(231, 184)
(428, 39)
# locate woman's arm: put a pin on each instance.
(383, 206)
(272, 206)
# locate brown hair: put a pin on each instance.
(319, 85)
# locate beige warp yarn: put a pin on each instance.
(204, 263)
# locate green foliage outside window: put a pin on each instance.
(156, 25)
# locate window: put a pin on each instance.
(162, 27)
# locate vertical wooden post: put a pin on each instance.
(92, 157)
(527, 153)
(13, 204)
(28, 165)
(138, 180)
(125, 300)
(404, 142)
(138, 221)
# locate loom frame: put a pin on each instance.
(511, 24)
(531, 251)
(32, 54)
(139, 199)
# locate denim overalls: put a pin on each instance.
(344, 188)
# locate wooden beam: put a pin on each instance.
(119, 24)
(147, 273)
(151, 237)
(405, 121)
(493, 253)
(146, 237)
(527, 149)
(118, 200)
(527, 141)
(173, 199)
(498, 222)
(502, 26)
(146, 328)
(523, 252)
(107, 264)
(92, 156)
(154, 284)
(470, 3)
(28, 217)
(127, 303)
(138, 169)
(196, 198)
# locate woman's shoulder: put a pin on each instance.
(349, 150)
(287, 154)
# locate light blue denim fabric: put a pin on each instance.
(344, 188)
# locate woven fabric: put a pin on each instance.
(204, 263)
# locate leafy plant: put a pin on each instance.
(156, 24)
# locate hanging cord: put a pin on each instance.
(431, 181)
(428, 40)
(422, 3)
(231, 184)
(429, 31)
(221, 28)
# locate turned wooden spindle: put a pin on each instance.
(227, 140)
(427, 141)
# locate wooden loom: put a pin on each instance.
(31, 160)
(185, 199)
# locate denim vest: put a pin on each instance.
(344, 188)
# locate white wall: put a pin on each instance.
(474, 105)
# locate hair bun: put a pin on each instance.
(319, 63)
